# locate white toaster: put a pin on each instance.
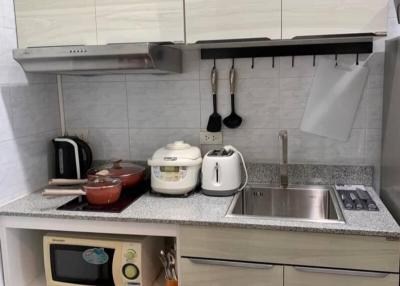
(221, 172)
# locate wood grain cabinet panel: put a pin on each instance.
(55, 22)
(331, 17)
(224, 273)
(131, 21)
(302, 276)
(209, 20)
(293, 248)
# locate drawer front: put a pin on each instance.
(303, 276)
(294, 248)
(199, 272)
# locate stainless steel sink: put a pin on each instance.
(305, 203)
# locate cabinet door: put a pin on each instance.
(305, 276)
(55, 22)
(211, 20)
(211, 272)
(333, 17)
(132, 21)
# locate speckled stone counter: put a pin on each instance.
(198, 209)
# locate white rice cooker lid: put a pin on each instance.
(178, 153)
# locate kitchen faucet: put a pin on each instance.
(283, 135)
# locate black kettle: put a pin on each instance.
(73, 157)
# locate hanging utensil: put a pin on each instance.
(233, 120)
(214, 121)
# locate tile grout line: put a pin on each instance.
(127, 116)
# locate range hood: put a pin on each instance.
(113, 58)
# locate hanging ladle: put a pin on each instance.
(233, 120)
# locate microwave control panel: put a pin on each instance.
(131, 254)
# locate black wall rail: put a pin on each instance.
(288, 50)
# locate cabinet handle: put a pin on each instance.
(341, 272)
(230, 263)
(232, 40)
(313, 37)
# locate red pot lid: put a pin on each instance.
(118, 169)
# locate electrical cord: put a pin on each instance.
(230, 147)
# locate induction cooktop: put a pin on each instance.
(128, 196)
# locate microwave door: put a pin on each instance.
(81, 265)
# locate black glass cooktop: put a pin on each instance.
(128, 196)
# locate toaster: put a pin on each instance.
(222, 172)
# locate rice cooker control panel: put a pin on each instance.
(169, 173)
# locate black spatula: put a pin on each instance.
(214, 121)
(233, 120)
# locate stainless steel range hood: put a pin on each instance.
(115, 58)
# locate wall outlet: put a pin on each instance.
(211, 138)
(81, 133)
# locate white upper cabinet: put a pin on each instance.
(332, 17)
(130, 21)
(212, 20)
(55, 22)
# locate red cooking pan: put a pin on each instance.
(99, 190)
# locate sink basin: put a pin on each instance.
(305, 203)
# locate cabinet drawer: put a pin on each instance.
(303, 276)
(294, 248)
(199, 272)
(210, 20)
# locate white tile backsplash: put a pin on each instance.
(95, 104)
(149, 110)
(144, 142)
(109, 143)
(163, 104)
(29, 118)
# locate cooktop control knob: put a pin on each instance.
(130, 271)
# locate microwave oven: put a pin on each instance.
(101, 260)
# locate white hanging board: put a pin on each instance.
(334, 99)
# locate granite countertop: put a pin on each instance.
(198, 209)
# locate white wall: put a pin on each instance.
(29, 118)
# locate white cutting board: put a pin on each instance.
(334, 99)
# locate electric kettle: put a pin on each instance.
(222, 172)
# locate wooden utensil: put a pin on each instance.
(215, 120)
(233, 120)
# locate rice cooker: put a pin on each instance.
(175, 169)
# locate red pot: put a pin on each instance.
(102, 190)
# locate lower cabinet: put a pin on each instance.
(306, 276)
(216, 272)
(213, 272)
